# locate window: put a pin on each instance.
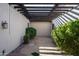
(59, 20)
(76, 16)
(65, 18)
(69, 17)
(62, 20)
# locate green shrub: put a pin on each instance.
(26, 40)
(30, 33)
(67, 37)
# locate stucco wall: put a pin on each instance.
(43, 28)
(11, 37)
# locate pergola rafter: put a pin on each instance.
(49, 10)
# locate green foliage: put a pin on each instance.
(26, 40)
(67, 37)
(30, 33)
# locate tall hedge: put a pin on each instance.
(67, 37)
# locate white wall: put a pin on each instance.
(43, 28)
(11, 38)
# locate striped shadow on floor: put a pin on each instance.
(50, 51)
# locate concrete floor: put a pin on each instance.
(43, 45)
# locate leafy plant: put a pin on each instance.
(26, 40)
(30, 33)
(67, 37)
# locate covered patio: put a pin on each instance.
(44, 17)
(43, 45)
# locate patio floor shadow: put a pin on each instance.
(42, 45)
